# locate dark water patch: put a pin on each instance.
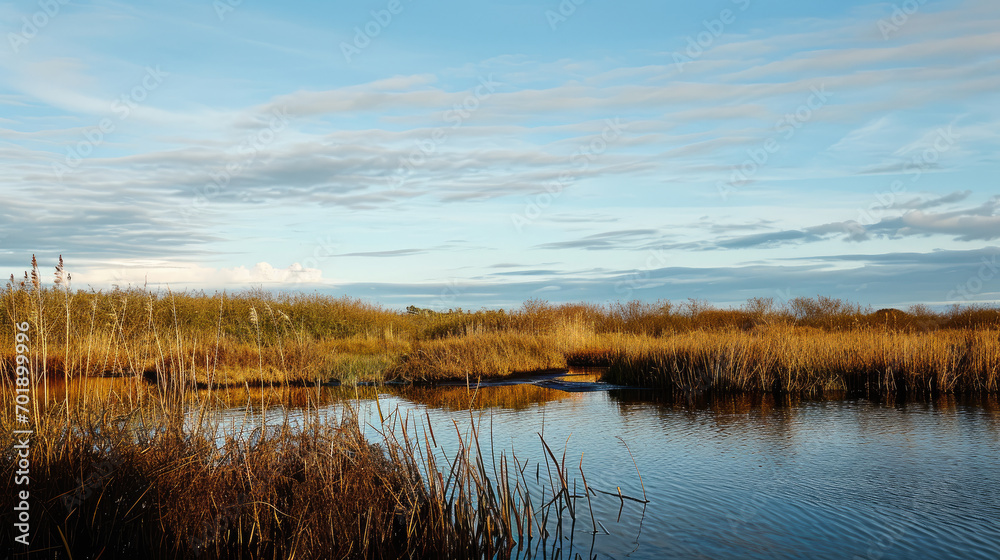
(772, 476)
(730, 476)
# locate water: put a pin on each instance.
(744, 476)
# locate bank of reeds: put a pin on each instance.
(251, 337)
(477, 356)
(134, 474)
(809, 360)
(257, 338)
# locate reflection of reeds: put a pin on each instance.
(589, 357)
(133, 478)
(514, 397)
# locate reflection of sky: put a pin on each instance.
(752, 477)
(735, 476)
(317, 200)
(772, 481)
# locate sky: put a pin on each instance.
(483, 153)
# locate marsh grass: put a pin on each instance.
(807, 360)
(255, 338)
(138, 474)
(195, 339)
(475, 356)
(140, 466)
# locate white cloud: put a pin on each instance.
(160, 273)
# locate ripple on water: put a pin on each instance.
(754, 477)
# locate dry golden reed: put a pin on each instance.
(133, 474)
(256, 338)
(809, 360)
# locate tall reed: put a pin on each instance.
(256, 338)
(143, 474)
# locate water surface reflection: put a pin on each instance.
(742, 476)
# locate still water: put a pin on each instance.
(740, 476)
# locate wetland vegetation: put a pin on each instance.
(193, 339)
(143, 469)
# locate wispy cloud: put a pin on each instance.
(198, 182)
(611, 240)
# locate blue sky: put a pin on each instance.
(483, 153)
